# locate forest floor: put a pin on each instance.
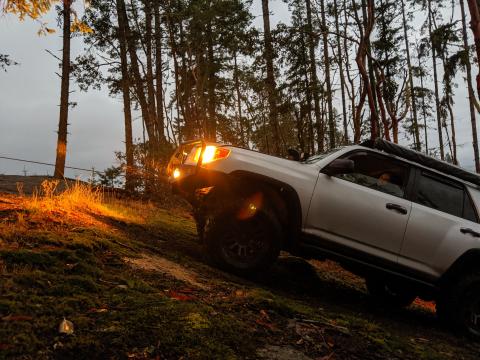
(131, 278)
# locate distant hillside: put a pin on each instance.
(12, 184)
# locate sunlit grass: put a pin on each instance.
(76, 196)
(81, 201)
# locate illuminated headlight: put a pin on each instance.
(176, 173)
(210, 154)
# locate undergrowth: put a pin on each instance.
(62, 255)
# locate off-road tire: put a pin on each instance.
(225, 234)
(460, 303)
(387, 293)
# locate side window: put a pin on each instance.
(440, 195)
(469, 212)
(378, 172)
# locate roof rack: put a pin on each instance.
(423, 159)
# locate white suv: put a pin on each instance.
(406, 222)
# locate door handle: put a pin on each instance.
(396, 207)
(470, 231)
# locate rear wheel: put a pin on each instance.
(389, 293)
(243, 246)
(460, 306)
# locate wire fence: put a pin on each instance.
(92, 171)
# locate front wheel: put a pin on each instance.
(243, 246)
(389, 293)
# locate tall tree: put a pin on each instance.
(471, 93)
(152, 108)
(435, 79)
(61, 153)
(341, 74)
(314, 86)
(415, 127)
(444, 37)
(326, 61)
(159, 72)
(473, 7)
(365, 28)
(125, 83)
(270, 80)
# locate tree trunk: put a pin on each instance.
(306, 110)
(122, 16)
(454, 139)
(471, 94)
(357, 121)
(64, 94)
(369, 22)
(212, 117)
(475, 26)
(424, 111)
(158, 73)
(381, 105)
(239, 100)
(326, 60)
(125, 82)
(201, 100)
(368, 9)
(313, 78)
(176, 69)
(152, 110)
(270, 81)
(416, 131)
(435, 81)
(340, 70)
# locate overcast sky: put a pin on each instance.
(29, 97)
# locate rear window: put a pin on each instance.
(444, 195)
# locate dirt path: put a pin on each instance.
(159, 264)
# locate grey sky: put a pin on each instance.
(29, 97)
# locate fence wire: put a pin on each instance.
(91, 171)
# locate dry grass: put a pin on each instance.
(81, 202)
(78, 196)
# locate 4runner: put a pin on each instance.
(405, 222)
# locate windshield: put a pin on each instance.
(321, 156)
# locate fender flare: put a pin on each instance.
(469, 261)
(287, 194)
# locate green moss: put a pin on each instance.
(27, 257)
(281, 304)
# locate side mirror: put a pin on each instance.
(339, 166)
(293, 155)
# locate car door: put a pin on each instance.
(362, 212)
(443, 225)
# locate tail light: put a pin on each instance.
(210, 154)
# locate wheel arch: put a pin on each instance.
(283, 199)
(469, 261)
